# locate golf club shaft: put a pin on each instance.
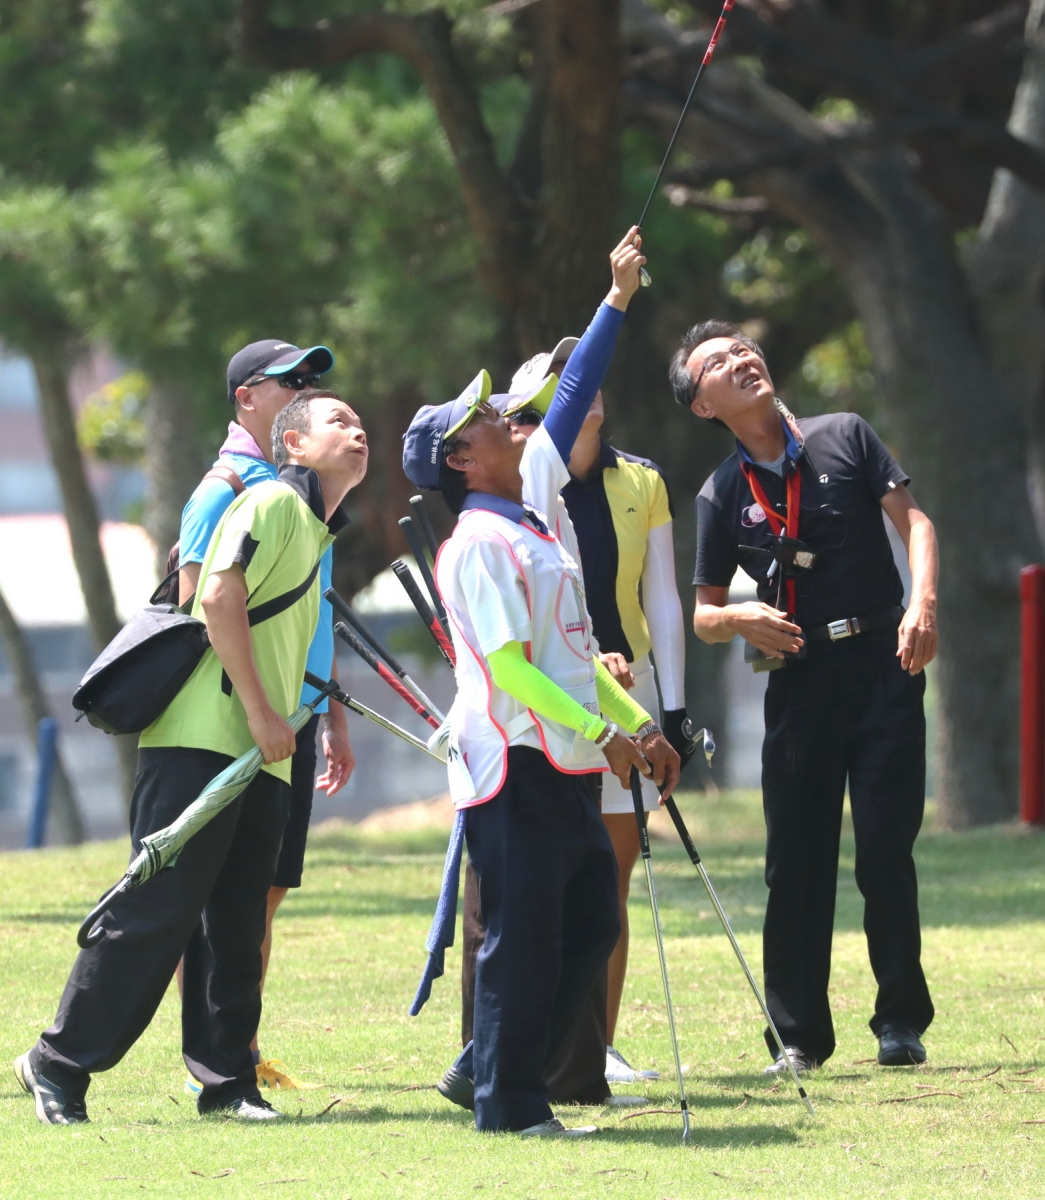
(425, 522)
(406, 578)
(417, 548)
(381, 651)
(647, 862)
(709, 54)
(372, 661)
(694, 856)
(356, 707)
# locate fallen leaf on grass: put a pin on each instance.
(1010, 1041)
(172, 1100)
(337, 1100)
(415, 1087)
(920, 1096)
(719, 1174)
(1036, 1121)
(981, 1078)
(220, 1175)
(648, 1112)
(862, 1062)
(273, 1182)
(743, 1103)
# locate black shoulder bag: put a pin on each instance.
(148, 662)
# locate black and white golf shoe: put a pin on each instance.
(248, 1108)
(53, 1105)
(556, 1129)
(801, 1061)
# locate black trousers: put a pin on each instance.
(548, 896)
(222, 876)
(577, 1073)
(846, 712)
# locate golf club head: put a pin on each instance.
(705, 736)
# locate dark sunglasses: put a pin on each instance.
(526, 416)
(295, 380)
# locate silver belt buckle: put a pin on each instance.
(836, 630)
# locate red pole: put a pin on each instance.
(1032, 695)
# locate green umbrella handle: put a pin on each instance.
(88, 935)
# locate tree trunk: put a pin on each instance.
(81, 515)
(173, 464)
(1006, 265)
(65, 815)
(956, 425)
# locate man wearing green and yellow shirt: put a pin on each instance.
(266, 548)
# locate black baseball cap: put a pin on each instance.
(272, 357)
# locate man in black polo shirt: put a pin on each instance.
(799, 507)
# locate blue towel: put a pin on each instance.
(444, 922)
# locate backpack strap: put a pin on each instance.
(226, 475)
(272, 608)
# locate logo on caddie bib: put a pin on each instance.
(752, 516)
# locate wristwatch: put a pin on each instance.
(651, 727)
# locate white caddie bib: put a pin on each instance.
(500, 582)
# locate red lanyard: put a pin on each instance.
(788, 526)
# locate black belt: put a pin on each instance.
(835, 631)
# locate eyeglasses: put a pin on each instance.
(526, 416)
(714, 361)
(295, 380)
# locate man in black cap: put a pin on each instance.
(261, 380)
(799, 506)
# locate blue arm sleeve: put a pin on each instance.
(581, 379)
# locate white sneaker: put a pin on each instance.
(620, 1071)
(555, 1128)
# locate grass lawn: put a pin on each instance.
(349, 948)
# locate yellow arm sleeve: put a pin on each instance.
(513, 674)
(616, 703)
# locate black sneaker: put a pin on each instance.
(457, 1088)
(899, 1048)
(801, 1061)
(53, 1106)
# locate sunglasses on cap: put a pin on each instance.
(526, 416)
(477, 406)
(295, 380)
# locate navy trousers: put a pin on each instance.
(209, 907)
(848, 712)
(548, 897)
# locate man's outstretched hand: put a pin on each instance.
(626, 261)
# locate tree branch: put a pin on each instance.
(424, 42)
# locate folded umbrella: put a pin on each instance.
(161, 849)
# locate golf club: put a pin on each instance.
(431, 623)
(400, 689)
(406, 524)
(647, 862)
(357, 707)
(382, 652)
(709, 54)
(417, 503)
(694, 856)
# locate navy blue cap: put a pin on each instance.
(423, 440)
(273, 357)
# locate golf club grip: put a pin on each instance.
(424, 611)
(683, 832)
(343, 610)
(371, 659)
(640, 811)
(425, 521)
(406, 524)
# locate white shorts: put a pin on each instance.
(616, 799)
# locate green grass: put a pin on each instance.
(348, 953)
